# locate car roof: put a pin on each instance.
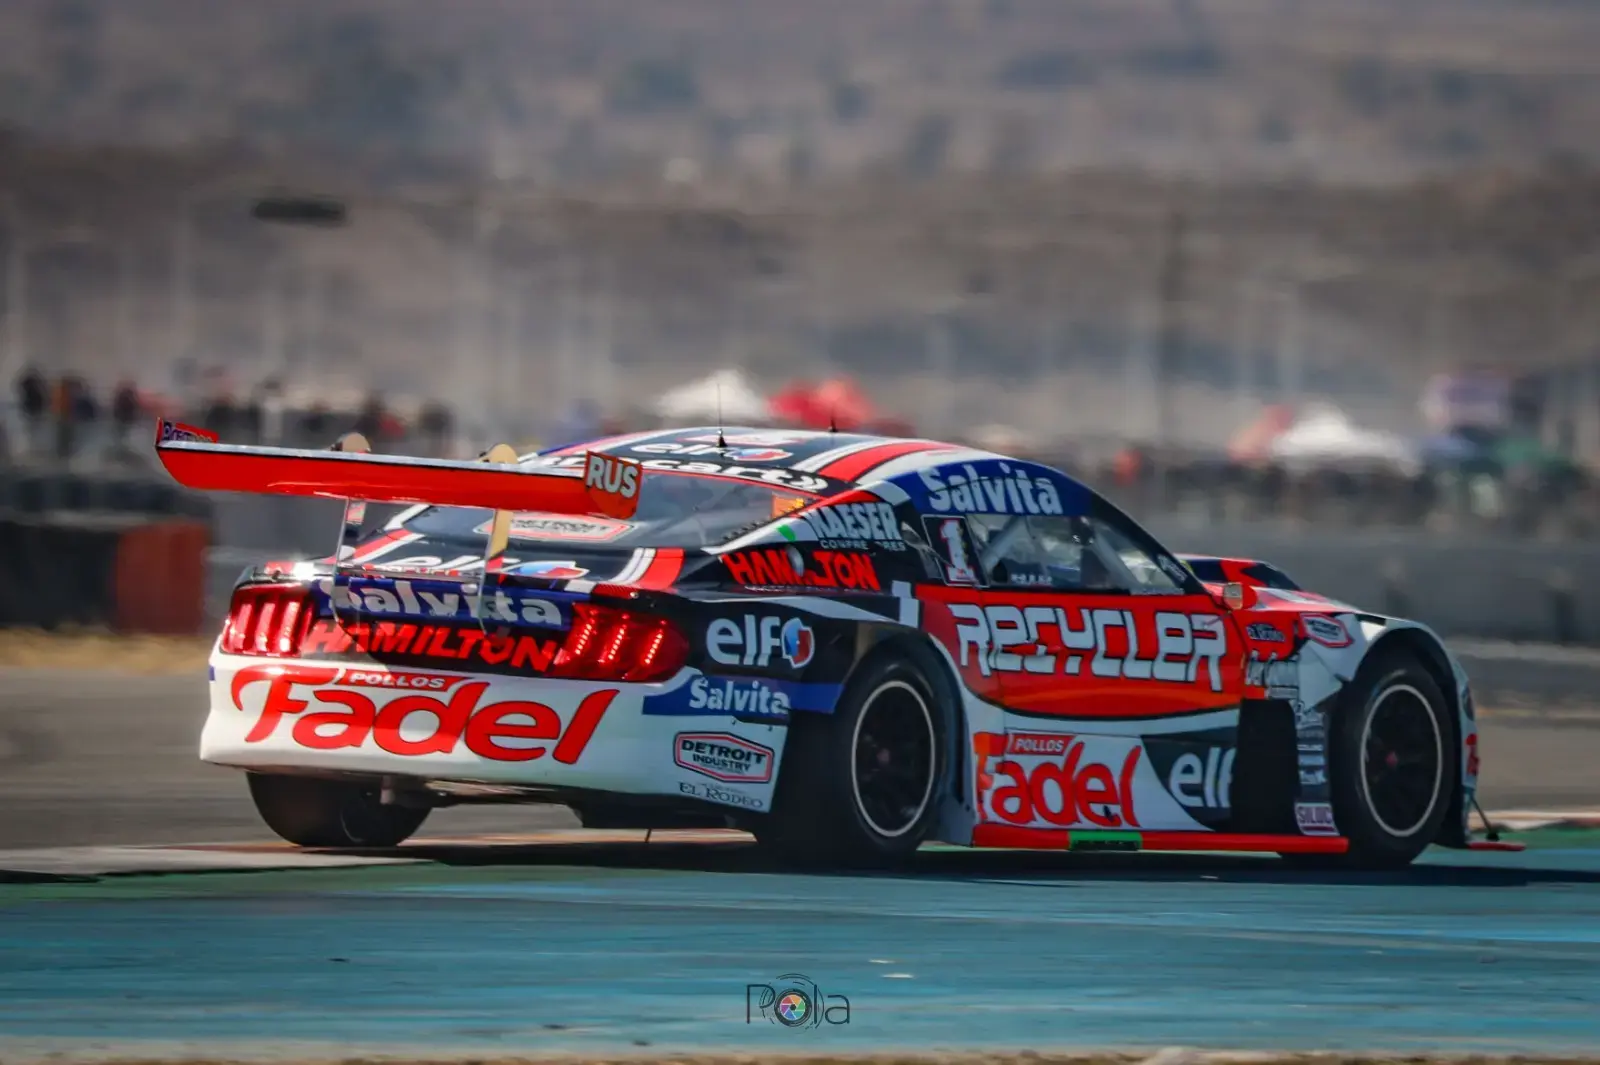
(853, 458)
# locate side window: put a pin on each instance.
(1144, 574)
(1064, 553)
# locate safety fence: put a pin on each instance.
(127, 554)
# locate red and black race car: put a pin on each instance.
(848, 645)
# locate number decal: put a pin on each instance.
(956, 550)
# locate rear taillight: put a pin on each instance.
(611, 643)
(267, 619)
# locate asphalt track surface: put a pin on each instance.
(98, 758)
(543, 950)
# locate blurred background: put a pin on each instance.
(1318, 281)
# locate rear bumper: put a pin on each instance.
(342, 717)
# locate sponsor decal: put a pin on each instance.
(952, 540)
(752, 641)
(430, 601)
(613, 483)
(787, 567)
(468, 644)
(782, 478)
(1053, 779)
(712, 793)
(1329, 632)
(1264, 633)
(567, 570)
(1315, 819)
(1472, 754)
(1311, 778)
(989, 487)
(1180, 648)
(762, 698)
(1313, 761)
(854, 526)
(723, 756)
(758, 438)
(800, 482)
(337, 709)
(1273, 674)
(177, 432)
(1181, 575)
(531, 525)
(733, 452)
(1203, 781)
(799, 643)
(1307, 717)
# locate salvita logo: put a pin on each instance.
(613, 484)
(1008, 489)
(722, 756)
(760, 699)
(402, 598)
(753, 641)
(737, 697)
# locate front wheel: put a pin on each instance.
(1392, 762)
(314, 812)
(860, 787)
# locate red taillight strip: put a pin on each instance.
(267, 619)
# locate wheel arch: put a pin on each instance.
(1427, 650)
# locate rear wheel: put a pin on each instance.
(1392, 762)
(860, 787)
(314, 812)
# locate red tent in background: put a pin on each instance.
(1253, 442)
(836, 402)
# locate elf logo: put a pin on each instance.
(1203, 783)
(752, 641)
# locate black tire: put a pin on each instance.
(833, 805)
(314, 812)
(1392, 762)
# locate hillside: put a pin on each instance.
(574, 89)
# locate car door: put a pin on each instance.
(1083, 622)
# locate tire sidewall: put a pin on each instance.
(1370, 840)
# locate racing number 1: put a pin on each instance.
(959, 569)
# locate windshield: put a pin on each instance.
(674, 511)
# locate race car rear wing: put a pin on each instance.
(349, 471)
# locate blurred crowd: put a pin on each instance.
(66, 421)
(1486, 465)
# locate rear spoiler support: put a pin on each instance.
(355, 517)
